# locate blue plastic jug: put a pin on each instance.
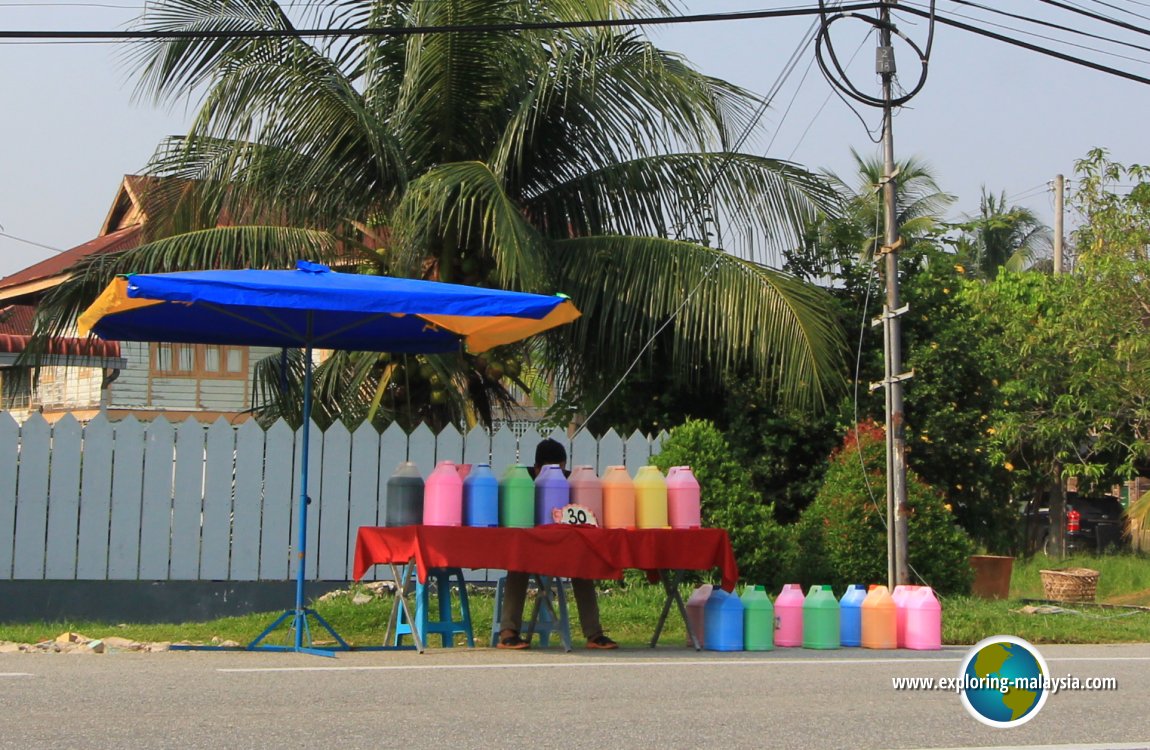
(481, 497)
(723, 627)
(850, 615)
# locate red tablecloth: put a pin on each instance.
(554, 550)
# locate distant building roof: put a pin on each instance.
(32, 278)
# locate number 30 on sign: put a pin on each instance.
(574, 514)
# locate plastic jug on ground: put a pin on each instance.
(821, 618)
(879, 627)
(618, 498)
(481, 497)
(682, 498)
(758, 619)
(789, 616)
(587, 490)
(723, 614)
(696, 603)
(404, 496)
(650, 498)
(443, 496)
(551, 493)
(923, 620)
(850, 615)
(899, 595)
(517, 498)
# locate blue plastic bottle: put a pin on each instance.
(723, 616)
(850, 615)
(481, 497)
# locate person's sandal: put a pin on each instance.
(513, 641)
(601, 642)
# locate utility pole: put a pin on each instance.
(898, 571)
(1059, 191)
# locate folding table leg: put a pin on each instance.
(671, 580)
(401, 580)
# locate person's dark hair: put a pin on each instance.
(550, 451)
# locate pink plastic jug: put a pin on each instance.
(697, 612)
(587, 490)
(443, 496)
(618, 499)
(683, 498)
(900, 594)
(789, 616)
(923, 620)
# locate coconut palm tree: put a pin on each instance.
(549, 158)
(1002, 238)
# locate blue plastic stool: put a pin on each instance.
(544, 619)
(443, 579)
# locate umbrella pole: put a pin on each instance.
(300, 614)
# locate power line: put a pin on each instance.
(1096, 16)
(30, 242)
(381, 31)
(1026, 45)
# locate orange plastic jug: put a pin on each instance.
(879, 625)
(650, 498)
(618, 499)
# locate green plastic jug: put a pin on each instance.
(517, 498)
(758, 619)
(820, 618)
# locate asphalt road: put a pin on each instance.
(458, 698)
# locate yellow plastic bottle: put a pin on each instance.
(650, 498)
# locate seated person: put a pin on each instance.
(515, 590)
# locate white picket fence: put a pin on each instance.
(155, 501)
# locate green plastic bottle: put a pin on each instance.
(758, 619)
(517, 498)
(821, 618)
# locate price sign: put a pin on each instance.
(574, 514)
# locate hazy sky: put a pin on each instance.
(989, 114)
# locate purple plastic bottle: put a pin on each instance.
(551, 491)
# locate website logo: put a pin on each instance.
(1004, 681)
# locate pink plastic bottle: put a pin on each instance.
(923, 620)
(900, 594)
(443, 496)
(683, 498)
(789, 616)
(587, 490)
(618, 499)
(696, 612)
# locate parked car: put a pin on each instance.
(1097, 527)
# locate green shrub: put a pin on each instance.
(841, 536)
(728, 500)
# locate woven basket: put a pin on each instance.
(1070, 584)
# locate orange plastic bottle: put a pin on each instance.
(618, 498)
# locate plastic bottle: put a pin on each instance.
(879, 628)
(723, 614)
(923, 620)
(404, 496)
(696, 604)
(618, 499)
(517, 498)
(850, 615)
(551, 492)
(443, 496)
(821, 618)
(587, 490)
(683, 498)
(899, 596)
(789, 616)
(758, 619)
(650, 498)
(481, 497)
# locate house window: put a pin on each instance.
(199, 360)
